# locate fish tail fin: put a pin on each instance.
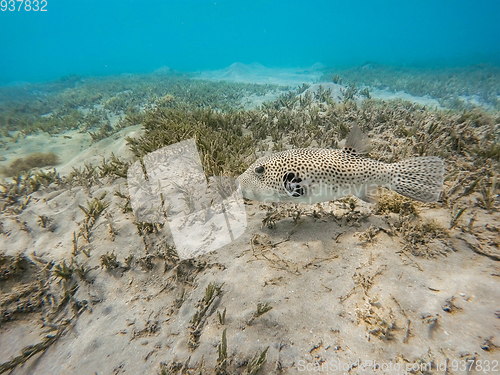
(418, 178)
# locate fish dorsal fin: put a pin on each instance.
(357, 142)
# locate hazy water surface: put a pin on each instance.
(108, 37)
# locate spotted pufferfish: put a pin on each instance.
(313, 175)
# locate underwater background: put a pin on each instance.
(96, 97)
(111, 37)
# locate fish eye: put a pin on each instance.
(259, 169)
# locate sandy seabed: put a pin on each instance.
(330, 288)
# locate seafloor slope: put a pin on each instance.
(85, 288)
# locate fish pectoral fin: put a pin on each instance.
(293, 184)
(295, 189)
(357, 142)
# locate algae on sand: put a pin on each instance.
(344, 280)
(36, 160)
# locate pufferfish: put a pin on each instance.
(313, 175)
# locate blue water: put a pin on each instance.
(94, 37)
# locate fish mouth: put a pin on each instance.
(260, 195)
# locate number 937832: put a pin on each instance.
(23, 5)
